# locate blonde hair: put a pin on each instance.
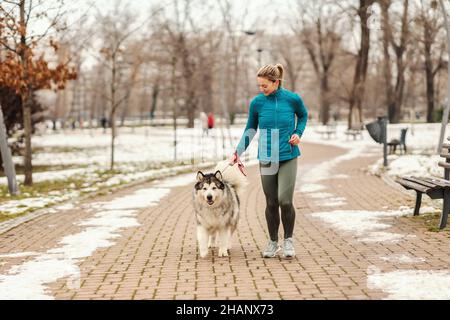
(272, 73)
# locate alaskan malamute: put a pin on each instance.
(216, 204)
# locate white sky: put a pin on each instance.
(261, 10)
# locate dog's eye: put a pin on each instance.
(205, 189)
(214, 188)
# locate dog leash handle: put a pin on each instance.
(237, 160)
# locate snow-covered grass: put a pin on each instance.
(422, 157)
(142, 153)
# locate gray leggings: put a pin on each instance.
(279, 191)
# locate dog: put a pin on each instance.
(216, 199)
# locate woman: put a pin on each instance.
(274, 112)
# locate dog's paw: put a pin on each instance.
(223, 253)
(203, 253)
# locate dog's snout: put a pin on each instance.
(209, 197)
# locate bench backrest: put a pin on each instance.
(446, 154)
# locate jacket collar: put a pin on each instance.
(276, 93)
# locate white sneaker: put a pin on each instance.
(271, 249)
(288, 248)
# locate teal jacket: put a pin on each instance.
(275, 116)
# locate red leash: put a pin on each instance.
(239, 163)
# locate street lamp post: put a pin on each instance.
(8, 163)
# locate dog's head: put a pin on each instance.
(209, 187)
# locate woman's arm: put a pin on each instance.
(302, 115)
(250, 129)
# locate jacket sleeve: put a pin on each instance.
(250, 129)
(302, 115)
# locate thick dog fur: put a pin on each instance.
(216, 204)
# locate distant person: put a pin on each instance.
(204, 123)
(336, 116)
(211, 121)
(104, 123)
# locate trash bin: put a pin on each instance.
(374, 129)
(377, 130)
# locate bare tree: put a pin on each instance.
(234, 38)
(292, 56)
(115, 32)
(431, 37)
(318, 31)
(362, 63)
(395, 94)
(21, 42)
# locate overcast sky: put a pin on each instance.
(262, 11)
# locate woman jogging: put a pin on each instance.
(275, 111)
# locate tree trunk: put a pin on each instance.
(28, 167)
(113, 137)
(394, 96)
(399, 89)
(174, 107)
(191, 108)
(26, 100)
(324, 97)
(113, 110)
(430, 98)
(359, 81)
(429, 77)
(155, 94)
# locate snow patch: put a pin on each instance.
(321, 195)
(411, 284)
(333, 202)
(401, 258)
(364, 225)
(18, 255)
(309, 188)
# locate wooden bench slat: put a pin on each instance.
(422, 181)
(446, 146)
(440, 182)
(412, 185)
(444, 165)
(445, 155)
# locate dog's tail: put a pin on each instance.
(233, 176)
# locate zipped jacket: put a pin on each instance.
(277, 116)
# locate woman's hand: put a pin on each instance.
(295, 140)
(234, 159)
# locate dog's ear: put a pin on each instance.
(200, 176)
(218, 175)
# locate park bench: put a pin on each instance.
(394, 143)
(327, 131)
(355, 131)
(435, 188)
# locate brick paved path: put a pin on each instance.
(156, 258)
